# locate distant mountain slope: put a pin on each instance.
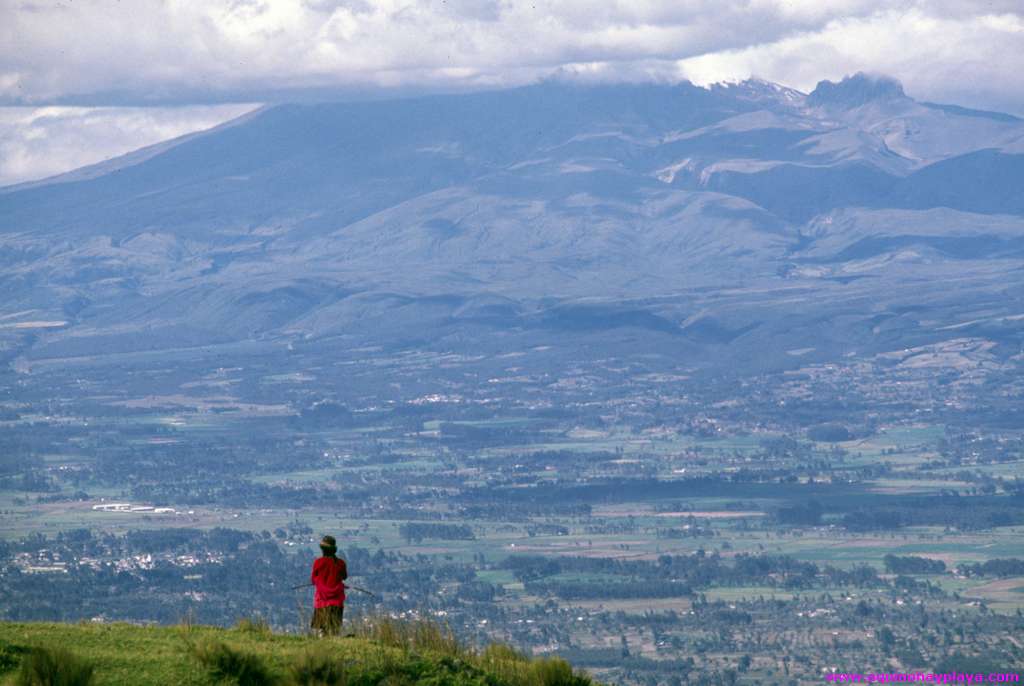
(510, 209)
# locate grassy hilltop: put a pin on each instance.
(381, 652)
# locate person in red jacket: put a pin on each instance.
(328, 576)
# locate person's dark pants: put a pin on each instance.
(327, 620)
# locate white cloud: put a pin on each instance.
(36, 142)
(146, 51)
(153, 49)
(101, 52)
(970, 60)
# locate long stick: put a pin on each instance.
(347, 586)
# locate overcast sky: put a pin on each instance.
(134, 72)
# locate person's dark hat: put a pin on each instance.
(328, 543)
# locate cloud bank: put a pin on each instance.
(156, 53)
(145, 51)
(37, 142)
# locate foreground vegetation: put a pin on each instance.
(375, 651)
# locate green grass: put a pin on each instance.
(54, 667)
(379, 650)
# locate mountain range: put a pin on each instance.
(731, 224)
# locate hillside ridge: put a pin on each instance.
(374, 652)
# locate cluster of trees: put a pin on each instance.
(597, 590)
(963, 447)
(912, 564)
(802, 514)
(499, 510)
(953, 511)
(688, 532)
(677, 575)
(414, 532)
(121, 463)
(241, 493)
(1001, 567)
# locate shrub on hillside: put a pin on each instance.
(513, 667)
(505, 662)
(318, 667)
(229, 665)
(10, 656)
(499, 652)
(495, 663)
(54, 667)
(418, 635)
(255, 625)
(554, 671)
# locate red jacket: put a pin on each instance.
(329, 574)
